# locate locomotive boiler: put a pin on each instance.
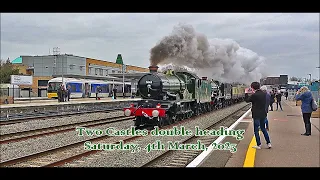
(160, 86)
(169, 96)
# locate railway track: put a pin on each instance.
(78, 163)
(183, 157)
(38, 159)
(43, 115)
(23, 135)
(69, 153)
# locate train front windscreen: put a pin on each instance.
(53, 89)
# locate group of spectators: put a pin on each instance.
(261, 99)
(64, 93)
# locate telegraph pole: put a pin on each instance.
(56, 52)
(123, 69)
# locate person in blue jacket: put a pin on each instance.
(268, 97)
(305, 96)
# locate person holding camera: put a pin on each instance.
(98, 90)
(258, 99)
(305, 96)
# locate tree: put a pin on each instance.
(6, 70)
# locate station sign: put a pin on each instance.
(21, 80)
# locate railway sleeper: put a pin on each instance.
(177, 164)
(190, 153)
(180, 161)
(187, 156)
(181, 158)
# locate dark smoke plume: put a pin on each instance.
(220, 59)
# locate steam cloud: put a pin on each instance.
(219, 59)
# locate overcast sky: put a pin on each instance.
(289, 42)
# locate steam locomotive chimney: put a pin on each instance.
(153, 69)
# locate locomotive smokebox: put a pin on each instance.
(153, 69)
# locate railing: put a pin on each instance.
(23, 93)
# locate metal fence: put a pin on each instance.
(23, 93)
(292, 94)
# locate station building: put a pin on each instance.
(44, 68)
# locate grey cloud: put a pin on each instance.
(283, 39)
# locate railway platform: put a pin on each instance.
(72, 101)
(289, 147)
(87, 104)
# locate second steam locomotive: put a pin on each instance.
(176, 95)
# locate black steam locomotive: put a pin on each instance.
(176, 95)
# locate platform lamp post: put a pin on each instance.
(123, 71)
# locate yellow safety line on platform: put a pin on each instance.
(251, 154)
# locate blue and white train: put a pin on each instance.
(86, 88)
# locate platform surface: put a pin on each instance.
(289, 147)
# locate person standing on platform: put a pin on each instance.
(68, 92)
(286, 94)
(96, 91)
(63, 93)
(259, 114)
(272, 97)
(278, 97)
(264, 89)
(305, 96)
(59, 92)
(114, 93)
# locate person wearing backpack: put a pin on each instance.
(305, 96)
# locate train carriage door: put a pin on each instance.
(86, 89)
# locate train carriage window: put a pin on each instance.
(127, 88)
(199, 83)
(53, 86)
(75, 87)
(93, 88)
(104, 88)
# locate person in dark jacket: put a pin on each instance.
(259, 114)
(278, 97)
(63, 93)
(272, 96)
(97, 92)
(305, 96)
(286, 94)
(68, 93)
(114, 93)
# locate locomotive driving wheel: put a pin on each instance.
(171, 119)
(188, 114)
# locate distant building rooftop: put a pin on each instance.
(18, 60)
